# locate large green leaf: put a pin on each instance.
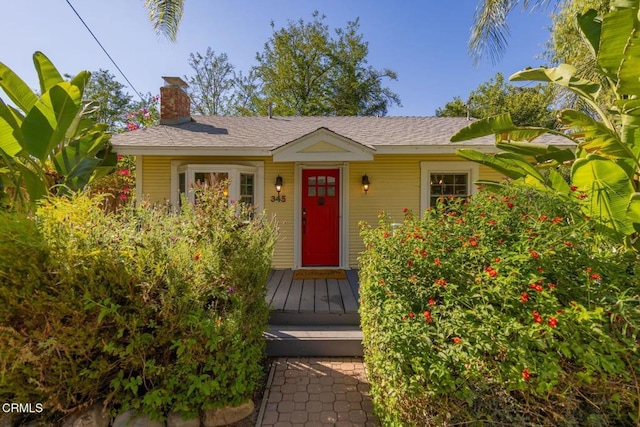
(633, 208)
(542, 153)
(594, 136)
(10, 133)
(505, 166)
(47, 123)
(591, 26)
(608, 190)
(557, 182)
(615, 44)
(33, 182)
(78, 159)
(502, 127)
(16, 89)
(48, 75)
(563, 75)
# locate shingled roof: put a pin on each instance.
(265, 134)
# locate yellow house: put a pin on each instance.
(319, 176)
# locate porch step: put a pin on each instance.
(313, 318)
(314, 340)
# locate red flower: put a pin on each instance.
(526, 374)
(120, 157)
(534, 254)
(382, 282)
(410, 263)
(196, 257)
(540, 270)
(441, 282)
(553, 322)
(556, 220)
(536, 317)
(551, 285)
(385, 234)
(491, 271)
(594, 276)
(437, 262)
(405, 210)
(432, 301)
(423, 253)
(568, 244)
(473, 242)
(427, 317)
(411, 315)
(123, 172)
(573, 188)
(543, 218)
(457, 340)
(492, 222)
(536, 287)
(123, 196)
(496, 260)
(510, 205)
(524, 297)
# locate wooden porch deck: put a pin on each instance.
(313, 301)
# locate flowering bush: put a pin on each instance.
(503, 308)
(143, 309)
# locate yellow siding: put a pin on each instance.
(395, 184)
(156, 183)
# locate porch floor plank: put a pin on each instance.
(349, 300)
(307, 297)
(293, 300)
(321, 297)
(281, 294)
(335, 297)
(273, 283)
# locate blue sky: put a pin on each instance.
(425, 42)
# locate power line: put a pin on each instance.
(103, 49)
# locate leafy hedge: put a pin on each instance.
(504, 308)
(144, 308)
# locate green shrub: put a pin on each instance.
(144, 308)
(503, 308)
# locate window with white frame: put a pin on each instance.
(439, 180)
(241, 181)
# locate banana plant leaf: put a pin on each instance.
(46, 125)
(48, 75)
(10, 133)
(618, 56)
(16, 89)
(503, 128)
(608, 190)
(591, 27)
(594, 137)
(563, 75)
(542, 153)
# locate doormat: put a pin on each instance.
(319, 274)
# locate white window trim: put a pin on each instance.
(427, 168)
(233, 169)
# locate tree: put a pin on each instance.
(565, 46)
(109, 99)
(48, 144)
(212, 86)
(307, 72)
(529, 106)
(490, 27)
(165, 16)
(606, 162)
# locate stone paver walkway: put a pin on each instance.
(317, 392)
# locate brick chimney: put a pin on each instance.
(175, 105)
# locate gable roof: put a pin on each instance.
(261, 135)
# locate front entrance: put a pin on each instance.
(320, 217)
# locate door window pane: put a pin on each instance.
(311, 191)
(331, 191)
(322, 180)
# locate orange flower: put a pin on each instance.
(196, 257)
(457, 340)
(526, 374)
(437, 262)
(553, 322)
(427, 317)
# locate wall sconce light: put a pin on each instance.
(365, 183)
(278, 184)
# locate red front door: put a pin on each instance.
(320, 217)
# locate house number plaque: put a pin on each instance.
(279, 199)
